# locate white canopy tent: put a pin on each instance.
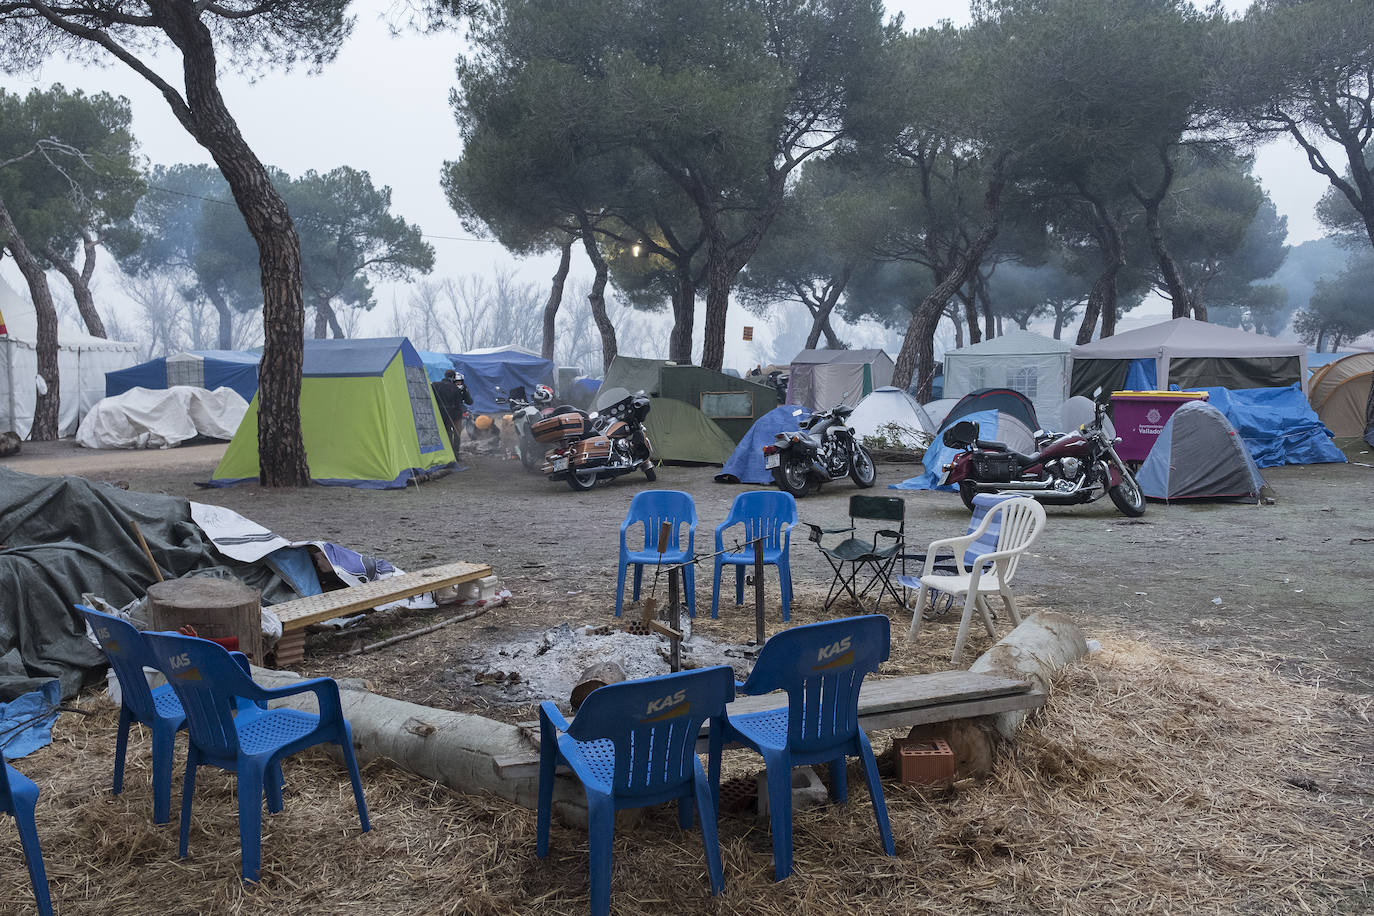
(1034, 365)
(82, 361)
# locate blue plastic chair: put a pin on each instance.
(251, 743)
(156, 708)
(633, 744)
(19, 799)
(770, 514)
(652, 508)
(821, 667)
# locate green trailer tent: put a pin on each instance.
(634, 374)
(681, 432)
(733, 403)
(368, 417)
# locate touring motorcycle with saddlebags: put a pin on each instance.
(824, 448)
(1066, 469)
(601, 445)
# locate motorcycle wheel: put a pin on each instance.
(967, 491)
(529, 454)
(582, 481)
(649, 473)
(861, 469)
(1127, 497)
(792, 477)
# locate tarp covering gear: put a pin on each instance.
(821, 379)
(1036, 366)
(65, 536)
(82, 361)
(1199, 455)
(1340, 395)
(1189, 354)
(992, 424)
(1277, 425)
(368, 417)
(893, 414)
(491, 372)
(208, 369)
(634, 375)
(732, 402)
(745, 464)
(681, 432)
(161, 418)
(1005, 400)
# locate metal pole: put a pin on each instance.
(674, 620)
(758, 592)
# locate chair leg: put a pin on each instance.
(600, 836)
(986, 613)
(689, 585)
(1009, 602)
(639, 581)
(875, 791)
(779, 769)
(273, 785)
(739, 585)
(548, 762)
(250, 822)
(355, 777)
(839, 782)
(915, 629)
(969, 600)
(785, 586)
(164, 740)
(709, 837)
(126, 718)
(188, 790)
(25, 808)
(620, 589)
(715, 589)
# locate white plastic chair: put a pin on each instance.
(1022, 520)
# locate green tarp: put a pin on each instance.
(681, 432)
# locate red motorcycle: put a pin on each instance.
(1066, 469)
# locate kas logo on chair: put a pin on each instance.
(835, 655)
(178, 662)
(671, 706)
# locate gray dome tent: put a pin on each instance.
(1199, 455)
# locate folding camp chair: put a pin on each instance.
(855, 554)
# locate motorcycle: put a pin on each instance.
(601, 445)
(525, 411)
(824, 448)
(1066, 469)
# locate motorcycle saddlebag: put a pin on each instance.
(994, 468)
(559, 426)
(598, 448)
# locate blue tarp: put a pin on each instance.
(746, 461)
(25, 724)
(1277, 424)
(436, 364)
(360, 358)
(222, 369)
(939, 454)
(1141, 375)
(493, 373)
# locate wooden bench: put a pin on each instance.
(296, 615)
(917, 699)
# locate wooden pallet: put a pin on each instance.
(296, 615)
(917, 699)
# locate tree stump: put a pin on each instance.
(596, 676)
(214, 608)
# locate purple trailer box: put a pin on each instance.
(1139, 417)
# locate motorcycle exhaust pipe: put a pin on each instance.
(1034, 486)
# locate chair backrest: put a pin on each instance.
(879, 508)
(654, 507)
(128, 655)
(653, 725)
(763, 514)
(1022, 520)
(208, 681)
(987, 541)
(821, 666)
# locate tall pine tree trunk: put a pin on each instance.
(226, 318)
(1102, 297)
(45, 410)
(80, 282)
(560, 277)
(597, 297)
(281, 451)
(684, 313)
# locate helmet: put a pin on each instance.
(458, 377)
(482, 422)
(543, 394)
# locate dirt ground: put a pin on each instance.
(1289, 585)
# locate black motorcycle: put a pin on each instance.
(823, 449)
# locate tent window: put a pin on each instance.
(1025, 380)
(422, 409)
(977, 378)
(722, 405)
